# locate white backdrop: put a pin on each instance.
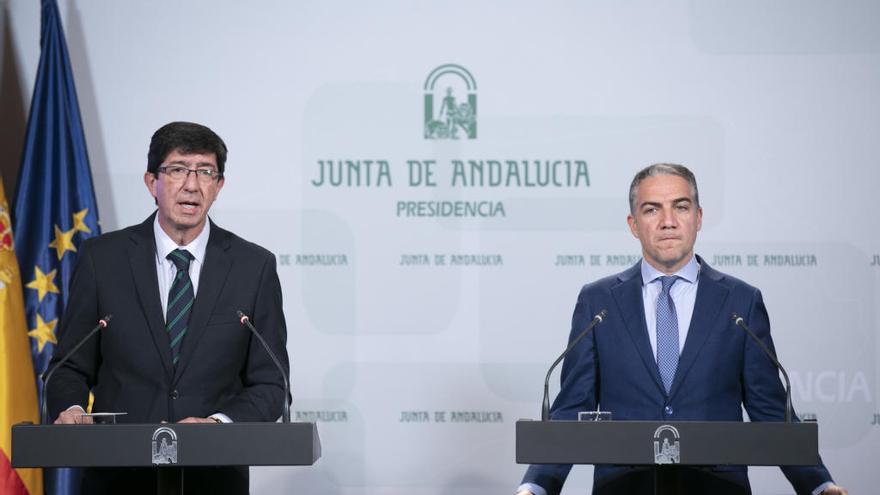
(774, 105)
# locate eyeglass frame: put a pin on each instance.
(200, 173)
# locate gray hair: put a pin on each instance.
(662, 169)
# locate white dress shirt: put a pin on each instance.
(683, 293)
(166, 270)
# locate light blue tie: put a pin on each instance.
(667, 333)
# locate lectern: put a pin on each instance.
(662, 444)
(167, 447)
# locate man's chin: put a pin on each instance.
(187, 223)
(667, 259)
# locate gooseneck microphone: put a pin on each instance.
(545, 407)
(741, 323)
(102, 323)
(285, 413)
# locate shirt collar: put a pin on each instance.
(688, 272)
(164, 243)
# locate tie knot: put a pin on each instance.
(181, 259)
(667, 282)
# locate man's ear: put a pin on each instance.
(631, 220)
(150, 181)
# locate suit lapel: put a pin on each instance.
(711, 295)
(142, 258)
(628, 295)
(212, 278)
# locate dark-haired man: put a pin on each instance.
(175, 350)
(666, 351)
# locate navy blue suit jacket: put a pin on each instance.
(720, 369)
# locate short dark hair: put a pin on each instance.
(186, 138)
(662, 169)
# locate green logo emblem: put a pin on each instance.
(452, 119)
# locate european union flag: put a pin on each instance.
(55, 208)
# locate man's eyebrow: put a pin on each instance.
(683, 199)
(198, 164)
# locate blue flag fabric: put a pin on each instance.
(55, 207)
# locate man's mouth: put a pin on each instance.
(188, 206)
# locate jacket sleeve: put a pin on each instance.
(577, 393)
(262, 397)
(764, 394)
(71, 383)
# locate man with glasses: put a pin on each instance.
(175, 350)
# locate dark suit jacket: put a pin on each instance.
(720, 370)
(222, 368)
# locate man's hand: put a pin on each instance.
(835, 490)
(197, 420)
(73, 416)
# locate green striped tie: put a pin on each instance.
(180, 301)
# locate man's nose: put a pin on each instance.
(667, 219)
(191, 183)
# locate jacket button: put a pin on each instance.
(666, 410)
(174, 394)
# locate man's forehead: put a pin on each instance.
(192, 158)
(666, 187)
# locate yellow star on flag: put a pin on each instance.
(43, 283)
(63, 242)
(79, 221)
(45, 332)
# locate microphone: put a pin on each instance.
(285, 413)
(102, 323)
(741, 323)
(545, 407)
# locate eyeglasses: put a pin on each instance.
(180, 174)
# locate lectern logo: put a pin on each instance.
(451, 119)
(667, 449)
(164, 446)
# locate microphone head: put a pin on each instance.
(242, 317)
(737, 319)
(105, 321)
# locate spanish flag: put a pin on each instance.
(18, 392)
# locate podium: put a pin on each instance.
(165, 446)
(665, 444)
